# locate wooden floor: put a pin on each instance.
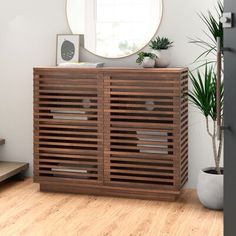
(26, 211)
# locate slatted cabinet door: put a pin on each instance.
(142, 130)
(68, 127)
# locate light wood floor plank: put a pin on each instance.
(25, 211)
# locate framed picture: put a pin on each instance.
(67, 48)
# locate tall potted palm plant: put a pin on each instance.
(203, 96)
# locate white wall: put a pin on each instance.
(28, 31)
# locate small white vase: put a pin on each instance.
(148, 62)
(210, 189)
(163, 58)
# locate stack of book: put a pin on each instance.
(69, 168)
(69, 115)
(74, 170)
(153, 148)
(82, 65)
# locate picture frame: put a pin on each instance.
(68, 46)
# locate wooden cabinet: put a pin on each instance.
(111, 131)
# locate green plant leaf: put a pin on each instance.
(203, 95)
(142, 55)
(214, 30)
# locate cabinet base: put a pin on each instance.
(111, 191)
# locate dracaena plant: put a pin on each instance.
(214, 29)
(203, 96)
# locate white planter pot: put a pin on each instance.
(148, 62)
(210, 189)
(163, 58)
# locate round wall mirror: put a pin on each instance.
(114, 28)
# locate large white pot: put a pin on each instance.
(210, 189)
(163, 58)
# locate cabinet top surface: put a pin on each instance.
(110, 69)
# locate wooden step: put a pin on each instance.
(9, 169)
(2, 141)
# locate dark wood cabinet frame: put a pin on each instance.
(111, 131)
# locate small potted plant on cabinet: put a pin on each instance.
(160, 48)
(146, 59)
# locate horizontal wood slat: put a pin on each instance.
(65, 150)
(140, 172)
(142, 155)
(64, 156)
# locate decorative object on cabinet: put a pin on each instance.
(146, 59)
(67, 48)
(134, 142)
(160, 48)
(82, 65)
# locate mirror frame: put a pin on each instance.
(155, 34)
